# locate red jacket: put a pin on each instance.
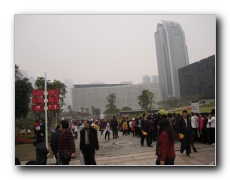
(166, 147)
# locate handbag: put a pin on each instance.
(66, 153)
(82, 159)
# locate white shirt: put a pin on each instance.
(212, 121)
(194, 122)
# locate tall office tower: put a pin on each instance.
(146, 79)
(172, 55)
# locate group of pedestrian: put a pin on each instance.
(63, 145)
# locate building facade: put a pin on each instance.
(90, 95)
(146, 79)
(171, 50)
(198, 79)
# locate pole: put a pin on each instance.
(46, 108)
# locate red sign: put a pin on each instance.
(37, 100)
(53, 92)
(38, 108)
(53, 99)
(37, 92)
(53, 107)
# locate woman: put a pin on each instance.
(165, 148)
(107, 130)
(66, 147)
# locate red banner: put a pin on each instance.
(53, 107)
(53, 99)
(37, 100)
(37, 92)
(38, 108)
(53, 92)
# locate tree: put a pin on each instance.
(126, 108)
(111, 107)
(146, 100)
(23, 90)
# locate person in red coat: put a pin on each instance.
(165, 150)
(66, 147)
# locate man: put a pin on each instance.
(66, 148)
(88, 143)
(184, 127)
(195, 126)
(144, 129)
(211, 121)
(114, 125)
(54, 142)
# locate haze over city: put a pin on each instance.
(103, 48)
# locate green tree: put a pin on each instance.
(111, 107)
(146, 100)
(23, 90)
(126, 108)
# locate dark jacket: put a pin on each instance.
(181, 127)
(144, 125)
(93, 140)
(114, 124)
(54, 141)
(41, 153)
(66, 143)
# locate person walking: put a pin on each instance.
(144, 131)
(184, 127)
(125, 127)
(66, 148)
(165, 145)
(88, 143)
(114, 125)
(54, 142)
(107, 130)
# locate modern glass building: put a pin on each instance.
(172, 55)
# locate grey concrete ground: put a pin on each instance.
(127, 151)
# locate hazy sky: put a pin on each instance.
(106, 48)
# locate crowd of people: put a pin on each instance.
(165, 129)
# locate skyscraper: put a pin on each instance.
(172, 55)
(146, 79)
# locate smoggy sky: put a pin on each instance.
(105, 48)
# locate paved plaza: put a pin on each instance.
(127, 151)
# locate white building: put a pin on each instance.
(126, 95)
(172, 55)
(154, 79)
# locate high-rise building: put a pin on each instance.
(172, 55)
(146, 79)
(154, 79)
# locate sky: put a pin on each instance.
(102, 48)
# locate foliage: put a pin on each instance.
(111, 107)
(146, 100)
(95, 111)
(126, 108)
(23, 90)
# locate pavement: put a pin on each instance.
(127, 151)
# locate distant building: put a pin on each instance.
(88, 95)
(146, 79)
(154, 79)
(198, 78)
(171, 50)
